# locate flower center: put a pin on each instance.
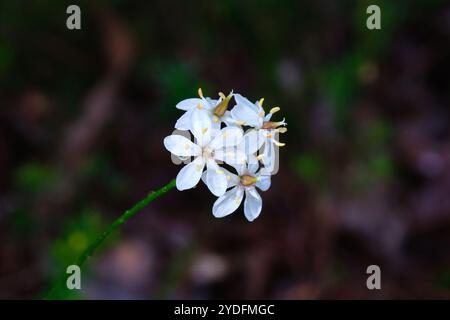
(248, 180)
(207, 153)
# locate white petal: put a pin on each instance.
(189, 103)
(253, 141)
(190, 174)
(233, 156)
(252, 204)
(268, 117)
(215, 124)
(211, 103)
(228, 203)
(232, 179)
(215, 179)
(245, 115)
(269, 157)
(245, 102)
(228, 137)
(228, 120)
(252, 163)
(201, 126)
(181, 146)
(184, 122)
(263, 182)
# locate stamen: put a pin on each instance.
(215, 119)
(260, 157)
(199, 106)
(273, 125)
(279, 144)
(222, 107)
(247, 180)
(282, 130)
(200, 93)
(262, 114)
(274, 110)
(204, 130)
(261, 101)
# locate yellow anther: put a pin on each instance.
(282, 130)
(262, 114)
(261, 101)
(199, 106)
(200, 93)
(222, 95)
(274, 110)
(215, 119)
(279, 144)
(260, 157)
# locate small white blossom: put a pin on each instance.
(246, 113)
(211, 146)
(243, 183)
(216, 110)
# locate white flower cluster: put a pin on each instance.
(220, 140)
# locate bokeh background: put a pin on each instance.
(364, 178)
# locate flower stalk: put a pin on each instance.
(89, 251)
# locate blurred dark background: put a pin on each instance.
(364, 178)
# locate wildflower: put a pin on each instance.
(216, 109)
(212, 146)
(243, 183)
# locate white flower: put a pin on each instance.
(211, 145)
(243, 183)
(246, 113)
(216, 110)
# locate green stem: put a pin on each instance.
(113, 226)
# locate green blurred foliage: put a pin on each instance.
(34, 177)
(6, 57)
(442, 280)
(374, 162)
(99, 168)
(78, 232)
(310, 167)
